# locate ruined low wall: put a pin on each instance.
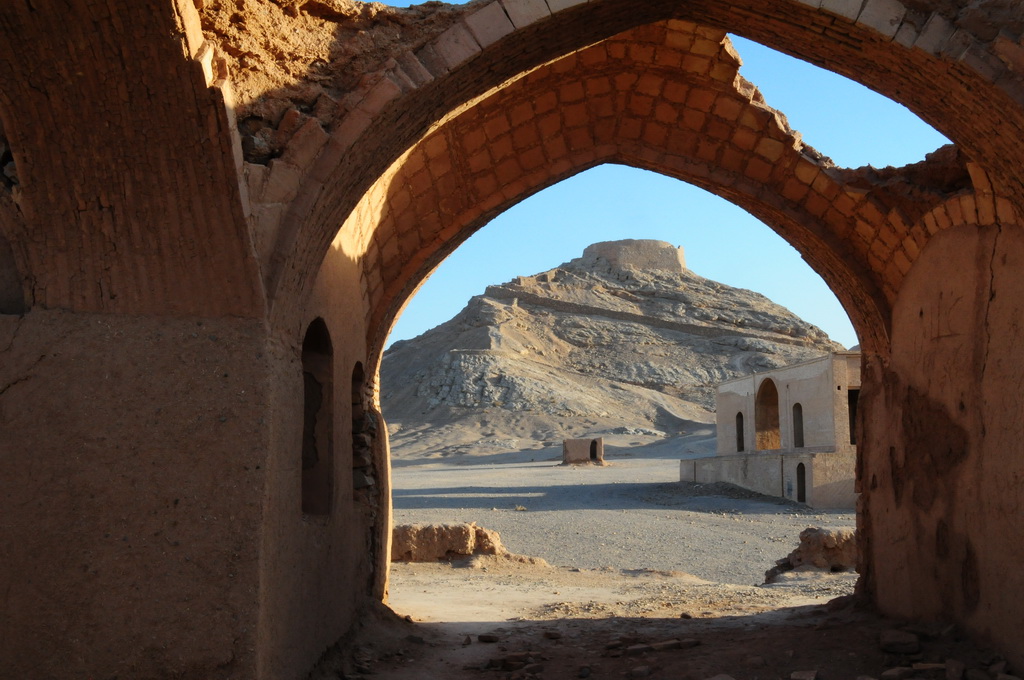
(433, 542)
(761, 472)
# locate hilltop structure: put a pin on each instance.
(788, 432)
(202, 202)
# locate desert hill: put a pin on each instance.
(624, 339)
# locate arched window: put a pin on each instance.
(739, 431)
(801, 483)
(363, 430)
(798, 426)
(317, 420)
(852, 397)
(766, 417)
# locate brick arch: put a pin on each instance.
(664, 97)
(938, 68)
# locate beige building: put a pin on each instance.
(788, 432)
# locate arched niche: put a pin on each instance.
(317, 420)
(766, 417)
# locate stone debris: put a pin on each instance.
(899, 642)
(804, 675)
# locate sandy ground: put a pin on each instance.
(630, 514)
(644, 578)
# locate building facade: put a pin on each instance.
(788, 432)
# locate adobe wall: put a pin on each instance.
(304, 611)
(133, 456)
(941, 463)
(761, 472)
(829, 480)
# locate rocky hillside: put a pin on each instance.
(625, 338)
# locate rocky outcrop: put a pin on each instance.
(624, 336)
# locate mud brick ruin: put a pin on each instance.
(211, 213)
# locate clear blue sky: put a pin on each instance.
(843, 120)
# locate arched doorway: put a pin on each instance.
(766, 417)
(801, 483)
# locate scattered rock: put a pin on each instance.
(488, 637)
(955, 669)
(899, 642)
(639, 672)
(997, 668)
(897, 673)
(804, 675)
(666, 644)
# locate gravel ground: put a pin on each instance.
(630, 514)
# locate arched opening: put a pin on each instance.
(400, 255)
(317, 420)
(766, 417)
(801, 483)
(739, 431)
(798, 426)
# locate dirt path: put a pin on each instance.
(508, 621)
